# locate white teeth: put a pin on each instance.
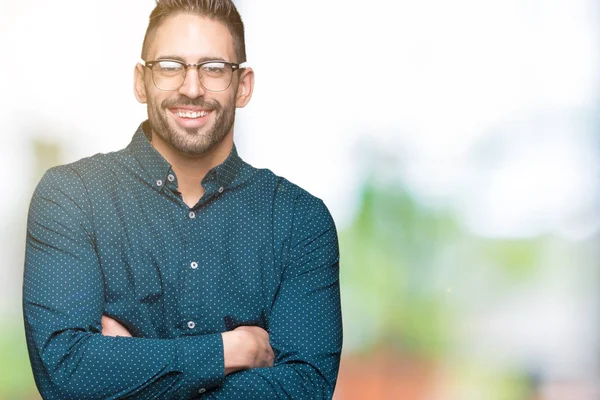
(189, 114)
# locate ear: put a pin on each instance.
(245, 88)
(139, 87)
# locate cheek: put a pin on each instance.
(154, 101)
(230, 101)
(154, 97)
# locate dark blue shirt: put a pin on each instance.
(110, 234)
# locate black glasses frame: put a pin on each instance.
(234, 67)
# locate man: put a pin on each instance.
(172, 269)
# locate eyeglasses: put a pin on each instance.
(214, 75)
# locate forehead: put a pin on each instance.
(193, 38)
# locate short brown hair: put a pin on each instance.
(223, 11)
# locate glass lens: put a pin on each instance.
(168, 75)
(216, 76)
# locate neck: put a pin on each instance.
(190, 170)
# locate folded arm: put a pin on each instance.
(63, 302)
(305, 324)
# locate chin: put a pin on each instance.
(194, 144)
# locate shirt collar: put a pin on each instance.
(227, 171)
(157, 168)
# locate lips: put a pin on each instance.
(190, 117)
(189, 113)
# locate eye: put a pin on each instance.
(168, 67)
(214, 69)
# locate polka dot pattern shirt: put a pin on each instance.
(110, 234)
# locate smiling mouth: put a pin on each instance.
(191, 114)
(191, 118)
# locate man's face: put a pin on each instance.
(191, 119)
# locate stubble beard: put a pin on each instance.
(192, 142)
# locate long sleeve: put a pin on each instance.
(305, 324)
(63, 302)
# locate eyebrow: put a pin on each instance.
(178, 58)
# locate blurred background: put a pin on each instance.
(456, 144)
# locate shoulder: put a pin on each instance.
(60, 199)
(295, 204)
(82, 172)
(306, 228)
(311, 215)
(286, 193)
(60, 181)
(101, 165)
(69, 184)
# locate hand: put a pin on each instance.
(247, 347)
(111, 327)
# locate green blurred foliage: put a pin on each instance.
(16, 379)
(476, 381)
(410, 274)
(517, 259)
(388, 257)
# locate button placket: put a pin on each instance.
(190, 296)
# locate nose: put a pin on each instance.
(191, 85)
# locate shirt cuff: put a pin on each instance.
(202, 361)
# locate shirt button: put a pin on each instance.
(171, 177)
(159, 183)
(221, 189)
(194, 265)
(191, 324)
(201, 391)
(192, 215)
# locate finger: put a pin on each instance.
(111, 327)
(116, 331)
